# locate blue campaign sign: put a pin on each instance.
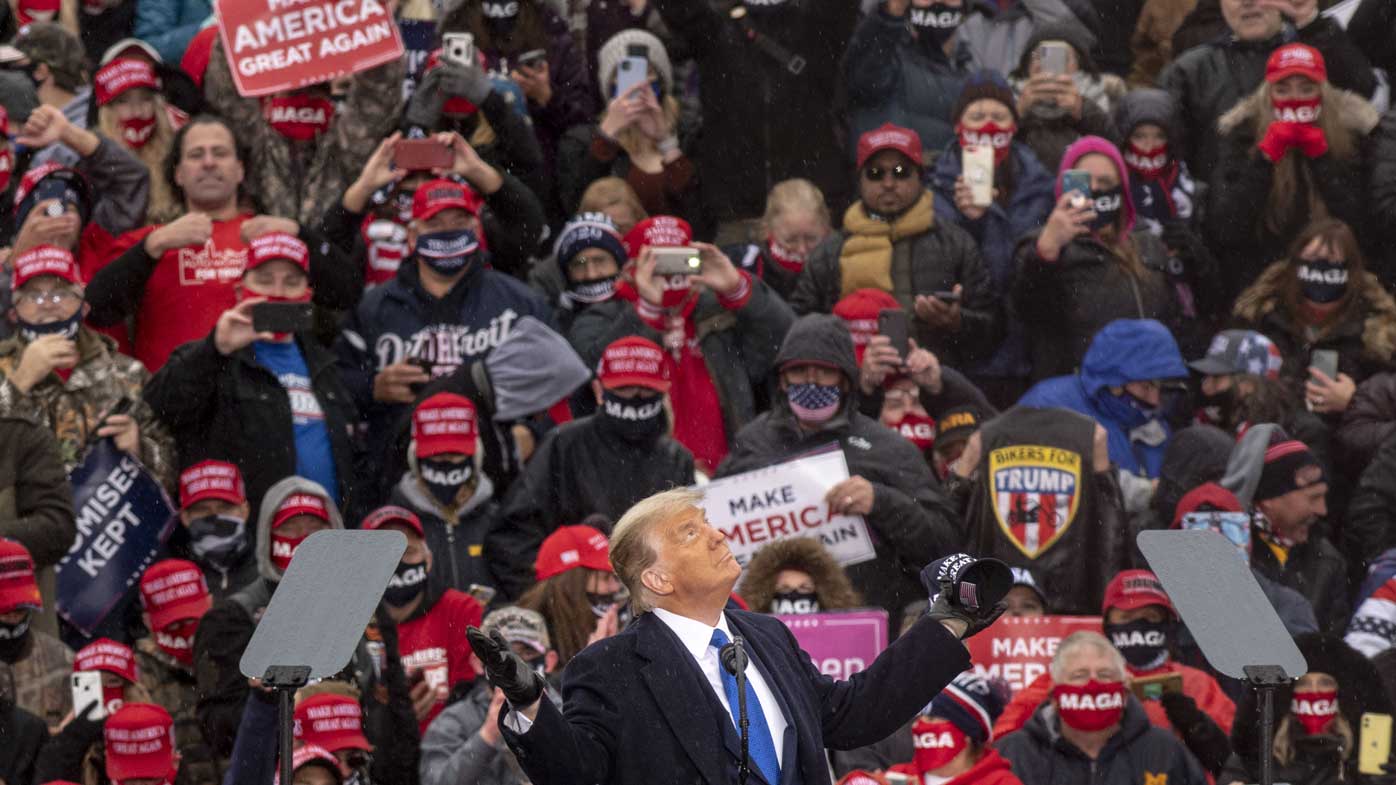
(123, 519)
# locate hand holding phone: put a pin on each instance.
(977, 162)
(417, 155)
(87, 695)
(1374, 748)
(896, 325)
(281, 317)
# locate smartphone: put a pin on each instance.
(1374, 749)
(420, 154)
(1326, 360)
(949, 297)
(893, 323)
(281, 317)
(1151, 688)
(677, 261)
(532, 58)
(458, 48)
(122, 406)
(633, 70)
(1077, 181)
(977, 162)
(87, 691)
(1053, 55)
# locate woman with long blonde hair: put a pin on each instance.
(131, 110)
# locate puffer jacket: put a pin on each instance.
(298, 180)
(1369, 420)
(911, 522)
(1243, 178)
(463, 555)
(74, 409)
(225, 630)
(933, 261)
(1208, 80)
(1381, 192)
(892, 79)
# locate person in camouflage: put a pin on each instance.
(34, 665)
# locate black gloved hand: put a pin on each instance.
(424, 109)
(963, 588)
(506, 670)
(1202, 736)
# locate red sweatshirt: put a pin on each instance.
(435, 644)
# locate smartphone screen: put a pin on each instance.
(632, 71)
(1077, 181)
(274, 317)
(1326, 360)
(893, 323)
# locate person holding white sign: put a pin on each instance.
(889, 484)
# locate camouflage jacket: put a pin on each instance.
(301, 180)
(73, 409)
(171, 685)
(40, 680)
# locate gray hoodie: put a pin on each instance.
(273, 498)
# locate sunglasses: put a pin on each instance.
(898, 172)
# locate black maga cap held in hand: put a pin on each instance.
(972, 584)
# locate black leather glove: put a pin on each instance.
(522, 685)
(963, 588)
(1203, 737)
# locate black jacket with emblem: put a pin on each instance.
(910, 522)
(463, 554)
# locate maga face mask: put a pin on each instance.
(785, 257)
(1322, 280)
(919, 429)
(1107, 206)
(937, 742)
(1143, 643)
(1091, 706)
(136, 131)
(283, 549)
(299, 117)
(1314, 709)
(795, 602)
(177, 640)
(1297, 110)
(444, 479)
(935, 24)
(1146, 161)
(406, 585)
(638, 420)
(999, 137)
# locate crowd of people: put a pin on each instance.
(1048, 273)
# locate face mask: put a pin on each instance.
(1322, 280)
(638, 420)
(1091, 706)
(68, 328)
(1234, 526)
(14, 640)
(283, 548)
(7, 166)
(501, 15)
(999, 137)
(219, 541)
(918, 429)
(114, 698)
(407, 583)
(676, 290)
(444, 479)
(179, 646)
(794, 602)
(786, 258)
(299, 117)
(935, 24)
(449, 252)
(1149, 411)
(814, 403)
(597, 291)
(1107, 207)
(1297, 110)
(601, 603)
(1219, 408)
(1143, 643)
(136, 131)
(937, 742)
(1315, 709)
(1148, 162)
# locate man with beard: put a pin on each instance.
(429, 621)
(36, 662)
(598, 464)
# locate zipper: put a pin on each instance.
(451, 548)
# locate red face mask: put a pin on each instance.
(7, 166)
(918, 429)
(1091, 706)
(1297, 110)
(136, 131)
(790, 260)
(999, 137)
(177, 640)
(937, 742)
(676, 289)
(299, 117)
(1315, 709)
(283, 548)
(113, 697)
(1146, 161)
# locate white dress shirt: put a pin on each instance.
(695, 637)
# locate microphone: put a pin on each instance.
(734, 660)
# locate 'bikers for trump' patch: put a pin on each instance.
(1035, 492)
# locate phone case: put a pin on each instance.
(978, 165)
(87, 690)
(420, 154)
(630, 72)
(1078, 180)
(1374, 748)
(1054, 59)
(676, 261)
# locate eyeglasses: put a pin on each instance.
(56, 297)
(898, 172)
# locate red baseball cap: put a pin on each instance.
(663, 231)
(120, 75)
(211, 480)
(392, 514)
(1132, 589)
(44, 260)
(311, 753)
(334, 722)
(277, 246)
(105, 654)
(570, 547)
(859, 310)
(433, 196)
(633, 362)
(889, 137)
(1292, 59)
(444, 423)
(301, 504)
(173, 590)
(139, 743)
(18, 586)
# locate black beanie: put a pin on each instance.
(984, 84)
(1289, 466)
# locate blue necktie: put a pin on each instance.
(760, 748)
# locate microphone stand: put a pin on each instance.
(734, 660)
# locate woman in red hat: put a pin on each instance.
(131, 110)
(577, 591)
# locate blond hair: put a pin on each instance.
(1082, 640)
(162, 206)
(795, 195)
(632, 548)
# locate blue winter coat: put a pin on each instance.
(1125, 350)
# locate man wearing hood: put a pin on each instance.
(1093, 729)
(889, 483)
(291, 510)
(600, 464)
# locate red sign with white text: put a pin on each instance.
(1018, 650)
(276, 45)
